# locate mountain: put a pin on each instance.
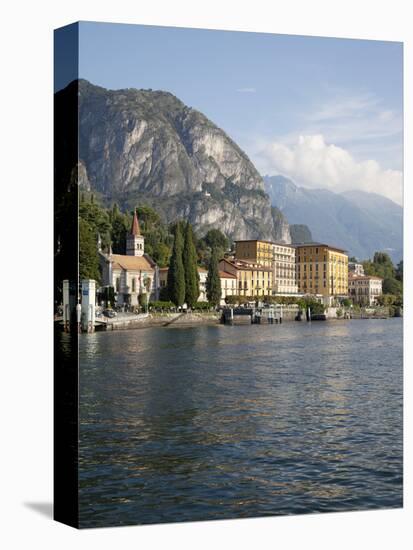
(360, 222)
(145, 146)
(300, 233)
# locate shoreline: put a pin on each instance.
(164, 320)
(194, 319)
(188, 320)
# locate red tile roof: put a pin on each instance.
(354, 276)
(246, 265)
(226, 275)
(131, 263)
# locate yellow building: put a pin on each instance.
(278, 256)
(322, 269)
(252, 279)
(255, 251)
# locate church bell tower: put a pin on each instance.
(135, 242)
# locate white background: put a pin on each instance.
(26, 271)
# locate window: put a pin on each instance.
(117, 284)
(134, 284)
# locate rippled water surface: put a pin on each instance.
(223, 422)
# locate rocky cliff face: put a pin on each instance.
(147, 146)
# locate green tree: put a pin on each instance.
(158, 239)
(119, 229)
(399, 271)
(391, 286)
(88, 253)
(176, 274)
(148, 218)
(213, 282)
(386, 300)
(315, 306)
(382, 266)
(164, 294)
(190, 268)
(213, 239)
(142, 299)
(216, 239)
(98, 219)
(161, 253)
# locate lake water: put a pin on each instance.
(215, 422)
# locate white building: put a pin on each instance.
(163, 281)
(203, 273)
(355, 268)
(228, 285)
(133, 273)
(284, 269)
(364, 289)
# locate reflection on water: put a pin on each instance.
(223, 422)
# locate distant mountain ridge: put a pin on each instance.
(360, 222)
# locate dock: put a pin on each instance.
(260, 316)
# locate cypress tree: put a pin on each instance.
(190, 268)
(176, 274)
(213, 282)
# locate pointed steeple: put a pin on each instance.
(135, 229)
(135, 241)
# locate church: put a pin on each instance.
(133, 273)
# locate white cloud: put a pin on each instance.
(359, 122)
(246, 90)
(313, 163)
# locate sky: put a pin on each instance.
(325, 112)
